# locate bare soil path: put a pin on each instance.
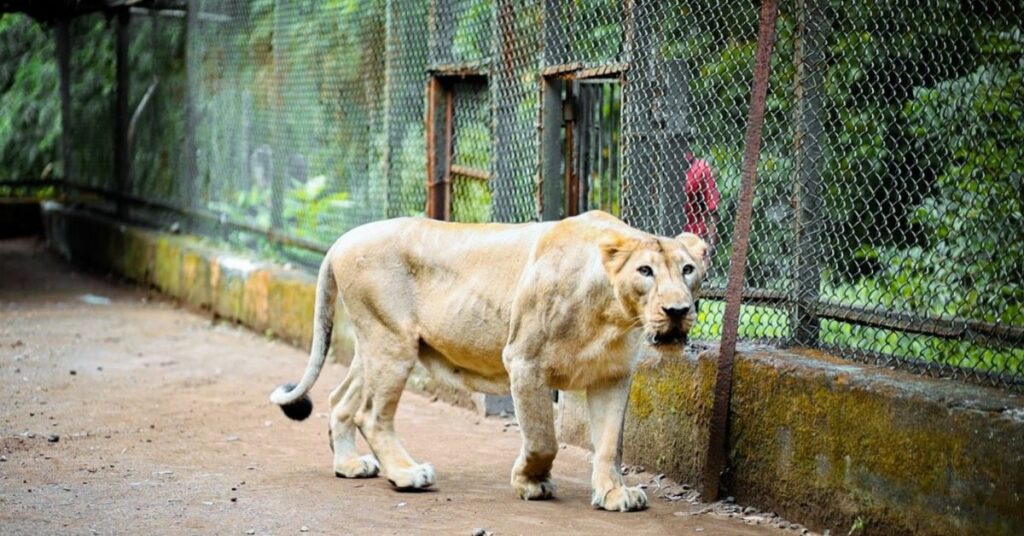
(137, 417)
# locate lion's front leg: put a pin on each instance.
(607, 407)
(531, 474)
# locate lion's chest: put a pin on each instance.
(579, 364)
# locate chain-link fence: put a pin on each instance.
(888, 220)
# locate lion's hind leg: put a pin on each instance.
(345, 401)
(387, 366)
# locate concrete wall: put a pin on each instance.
(811, 437)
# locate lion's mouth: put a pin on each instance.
(673, 337)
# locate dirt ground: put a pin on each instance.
(138, 417)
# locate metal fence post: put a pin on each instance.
(122, 160)
(64, 71)
(675, 133)
(276, 172)
(191, 189)
(639, 171)
(810, 71)
(718, 432)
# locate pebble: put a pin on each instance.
(73, 372)
(401, 504)
(3, 458)
(480, 532)
(53, 438)
(303, 529)
(231, 438)
(250, 531)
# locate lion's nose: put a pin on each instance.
(676, 313)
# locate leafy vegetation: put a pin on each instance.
(30, 122)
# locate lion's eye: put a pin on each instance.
(688, 269)
(645, 271)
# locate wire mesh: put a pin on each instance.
(888, 217)
(92, 76)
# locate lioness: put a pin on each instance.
(498, 308)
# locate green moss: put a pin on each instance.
(167, 266)
(195, 278)
(291, 302)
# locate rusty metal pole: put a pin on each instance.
(741, 234)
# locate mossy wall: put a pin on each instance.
(828, 442)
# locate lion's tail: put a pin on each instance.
(293, 399)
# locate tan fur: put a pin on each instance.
(500, 308)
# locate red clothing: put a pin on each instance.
(702, 198)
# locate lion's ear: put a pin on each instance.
(696, 247)
(615, 250)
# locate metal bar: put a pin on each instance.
(741, 235)
(191, 194)
(122, 160)
(472, 173)
(460, 70)
(752, 295)
(571, 178)
(563, 69)
(602, 71)
(808, 95)
(269, 233)
(449, 134)
(64, 71)
(430, 129)
(552, 187)
(277, 171)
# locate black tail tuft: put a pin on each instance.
(300, 409)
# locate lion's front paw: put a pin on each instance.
(418, 476)
(359, 467)
(620, 499)
(533, 490)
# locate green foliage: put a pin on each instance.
(30, 124)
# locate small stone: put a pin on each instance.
(699, 529)
(3, 458)
(730, 500)
(480, 532)
(749, 510)
(231, 438)
(73, 372)
(401, 504)
(53, 438)
(208, 503)
(783, 524)
(797, 527)
(234, 499)
(303, 529)
(30, 435)
(250, 531)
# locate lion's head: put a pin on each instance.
(657, 280)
